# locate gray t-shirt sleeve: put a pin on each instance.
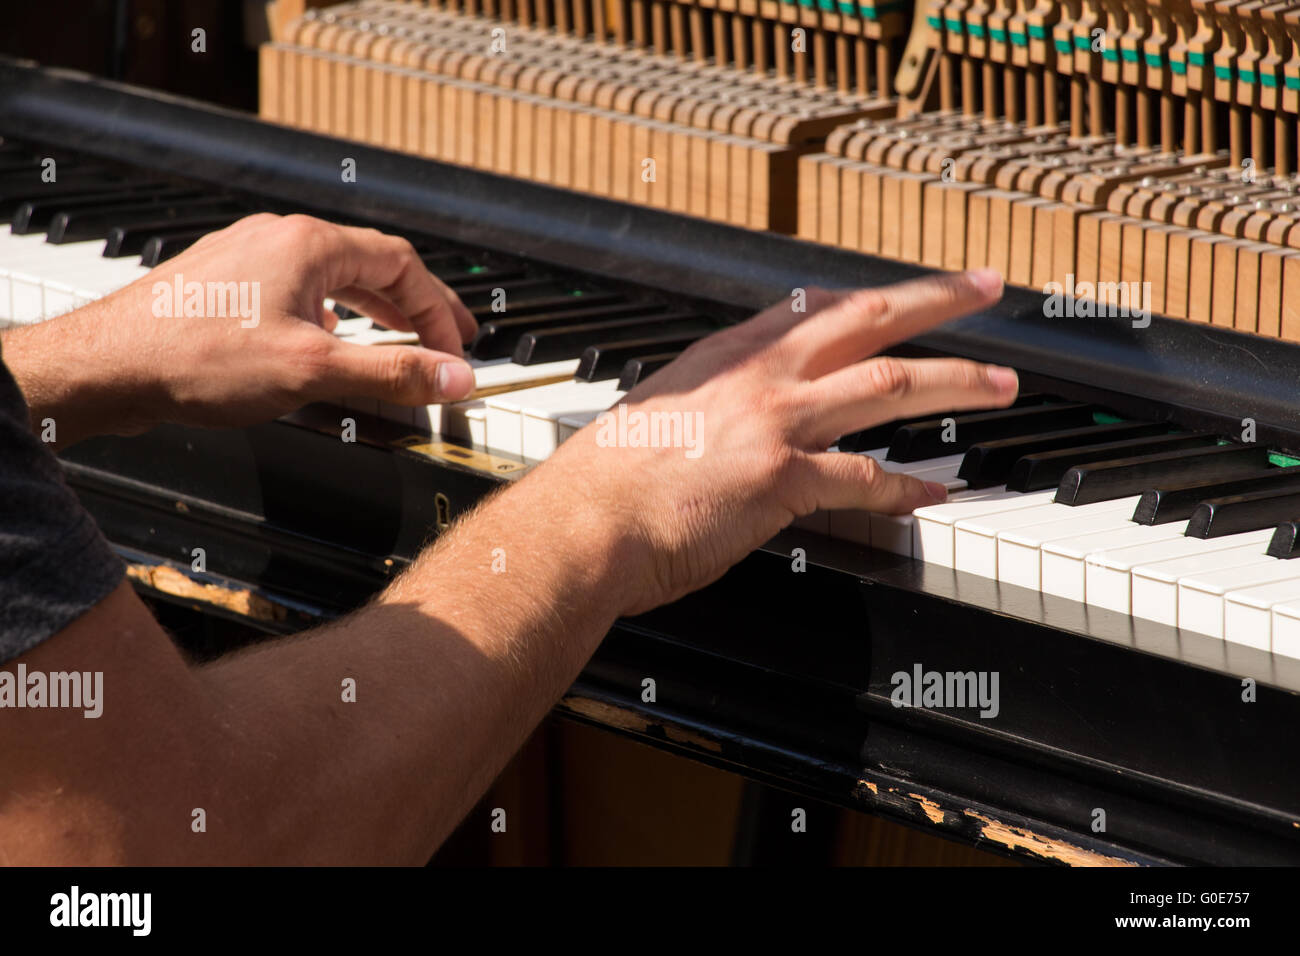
(54, 563)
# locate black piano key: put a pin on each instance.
(1176, 502)
(13, 195)
(158, 246)
(1285, 542)
(154, 249)
(479, 276)
(535, 304)
(922, 440)
(122, 240)
(989, 463)
(553, 345)
(426, 249)
(545, 296)
(481, 295)
(445, 261)
(498, 337)
(20, 167)
(1107, 480)
(1236, 514)
(1043, 470)
(879, 436)
(637, 370)
(35, 215)
(83, 225)
(600, 362)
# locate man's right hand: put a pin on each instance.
(770, 396)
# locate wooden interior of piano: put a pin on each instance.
(1139, 155)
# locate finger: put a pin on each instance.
(402, 374)
(863, 322)
(858, 482)
(329, 319)
(465, 321)
(780, 317)
(885, 388)
(372, 306)
(388, 266)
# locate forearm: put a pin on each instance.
(453, 666)
(66, 375)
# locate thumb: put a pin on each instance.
(401, 374)
(845, 480)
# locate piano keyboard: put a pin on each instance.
(90, 232)
(547, 350)
(1174, 527)
(1061, 498)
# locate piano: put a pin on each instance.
(1114, 561)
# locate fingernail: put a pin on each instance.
(455, 380)
(936, 490)
(1003, 379)
(988, 281)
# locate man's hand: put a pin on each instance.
(465, 659)
(770, 396)
(118, 367)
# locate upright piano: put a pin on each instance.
(1109, 590)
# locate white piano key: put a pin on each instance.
(1201, 594)
(910, 467)
(943, 475)
(933, 538)
(501, 374)
(531, 415)
(898, 533)
(58, 298)
(976, 540)
(852, 525)
(39, 280)
(1062, 562)
(15, 251)
(569, 424)
(542, 419)
(468, 421)
(1248, 613)
(78, 261)
(819, 521)
(1109, 581)
(1155, 586)
(494, 376)
(894, 533)
(347, 328)
(1286, 628)
(80, 287)
(24, 267)
(373, 336)
(1023, 558)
